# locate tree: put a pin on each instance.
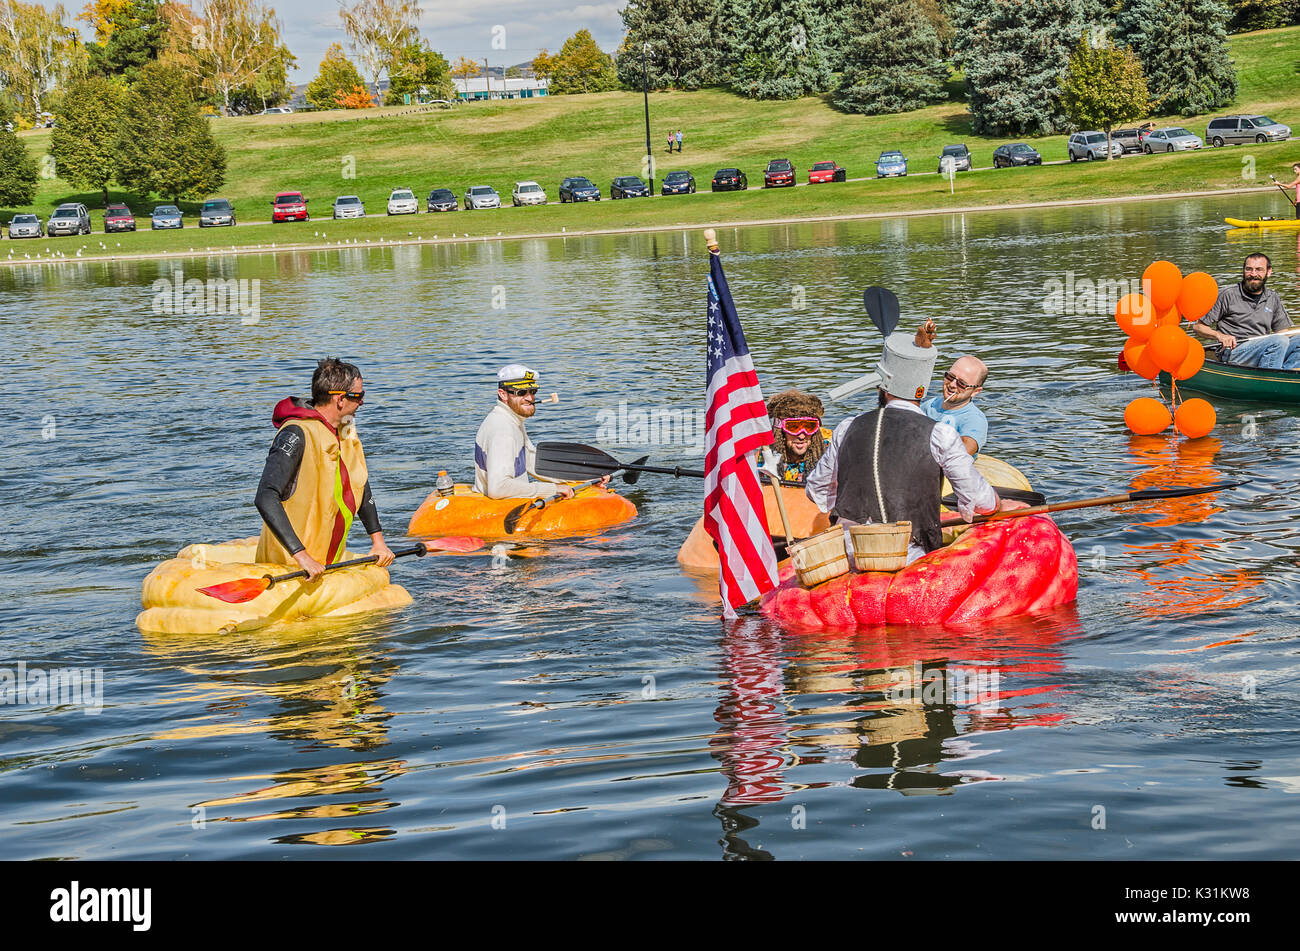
(166, 147)
(543, 64)
(18, 175)
(780, 50)
(1262, 14)
(354, 98)
(128, 33)
(893, 62)
(512, 72)
(419, 68)
(1013, 54)
(84, 140)
(582, 66)
(466, 69)
(336, 73)
(1103, 86)
(1184, 44)
(683, 49)
(378, 30)
(37, 52)
(227, 44)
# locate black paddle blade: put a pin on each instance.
(882, 308)
(1019, 495)
(1147, 494)
(572, 462)
(631, 475)
(515, 514)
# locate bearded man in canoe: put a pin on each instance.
(1247, 318)
(955, 405)
(503, 453)
(315, 480)
(888, 465)
(800, 438)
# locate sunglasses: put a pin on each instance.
(520, 391)
(357, 397)
(801, 425)
(962, 385)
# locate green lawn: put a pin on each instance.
(603, 135)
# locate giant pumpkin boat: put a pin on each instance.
(466, 512)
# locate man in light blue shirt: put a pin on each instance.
(956, 407)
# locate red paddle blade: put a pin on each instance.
(455, 543)
(237, 592)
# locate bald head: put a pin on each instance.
(970, 374)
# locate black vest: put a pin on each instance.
(910, 479)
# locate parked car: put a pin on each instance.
(629, 186)
(959, 154)
(729, 180)
(678, 183)
(1171, 140)
(277, 111)
(217, 213)
(578, 189)
(1233, 130)
(72, 218)
(779, 173)
(289, 206)
(528, 193)
(1017, 153)
(165, 217)
(442, 199)
(402, 201)
(349, 206)
(1092, 145)
(26, 226)
(891, 164)
(118, 217)
(481, 196)
(1130, 140)
(826, 172)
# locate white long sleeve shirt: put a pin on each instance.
(974, 494)
(504, 456)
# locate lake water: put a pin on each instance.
(588, 702)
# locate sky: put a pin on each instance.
(504, 31)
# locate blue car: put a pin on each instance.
(890, 164)
(165, 216)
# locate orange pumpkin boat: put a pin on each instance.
(467, 512)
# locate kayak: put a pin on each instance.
(1241, 383)
(1265, 223)
(467, 512)
(173, 604)
(994, 570)
(698, 553)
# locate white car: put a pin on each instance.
(349, 206)
(528, 193)
(403, 202)
(482, 196)
(277, 111)
(1170, 140)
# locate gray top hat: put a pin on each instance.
(906, 369)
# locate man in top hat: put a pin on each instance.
(887, 465)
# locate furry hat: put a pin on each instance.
(790, 403)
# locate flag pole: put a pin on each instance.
(711, 239)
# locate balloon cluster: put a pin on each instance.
(1156, 342)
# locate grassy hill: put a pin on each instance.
(602, 135)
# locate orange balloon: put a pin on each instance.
(1168, 347)
(1192, 364)
(1135, 316)
(1146, 416)
(1170, 318)
(1161, 282)
(1197, 295)
(1194, 419)
(1139, 361)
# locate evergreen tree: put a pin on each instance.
(165, 146)
(841, 23)
(417, 67)
(780, 49)
(1262, 14)
(336, 73)
(133, 34)
(84, 140)
(683, 49)
(582, 66)
(893, 63)
(18, 175)
(1013, 53)
(1184, 47)
(1103, 86)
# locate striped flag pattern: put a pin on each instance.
(737, 427)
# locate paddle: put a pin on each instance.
(246, 589)
(1283, 189)
(569, 461)
(1144, 495)
(882, 308)
(515, 514)
(1019, 495)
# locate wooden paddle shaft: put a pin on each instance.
(1043, 509)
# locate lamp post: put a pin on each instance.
(645, 90)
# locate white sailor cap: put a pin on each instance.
(516, 375)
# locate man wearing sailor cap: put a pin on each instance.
(503, 453)
(888, 465)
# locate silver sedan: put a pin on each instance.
(1171, 140)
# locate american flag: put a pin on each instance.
(737, 427)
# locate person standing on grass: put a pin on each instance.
(679, 140)
(670, 141)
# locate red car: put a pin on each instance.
(118, 217)
(289, 206)
(826, 172)
(778, 172)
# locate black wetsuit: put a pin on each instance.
(280, 478)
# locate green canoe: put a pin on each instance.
(1242, 383)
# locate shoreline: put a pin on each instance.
(371, 244)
